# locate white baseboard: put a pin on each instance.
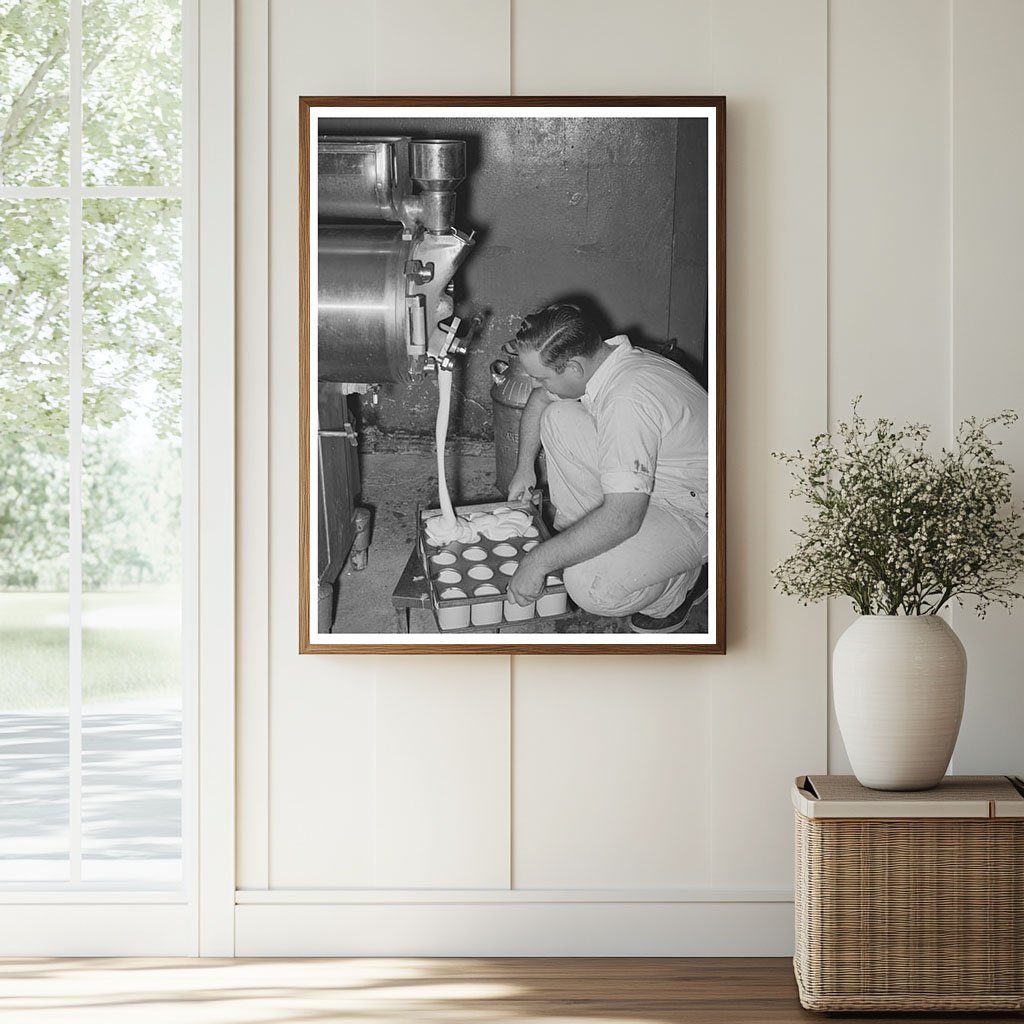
(521, 928)
(99, 928)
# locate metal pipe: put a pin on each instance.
(438, 166)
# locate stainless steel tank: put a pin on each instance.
(386, 255)
(361, 178)
(361, 303)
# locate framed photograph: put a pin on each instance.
(512, 375)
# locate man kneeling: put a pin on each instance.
(625, 433)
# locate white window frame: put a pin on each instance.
(216, 392)
(50, 919)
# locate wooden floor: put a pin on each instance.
(412, 991)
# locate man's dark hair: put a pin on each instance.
(558, 333)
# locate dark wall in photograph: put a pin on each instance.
(611, 209)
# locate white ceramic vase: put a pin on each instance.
(898, 685)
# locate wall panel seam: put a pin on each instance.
(511, 50)
(510, 711)
(950, 241)
(828, 343)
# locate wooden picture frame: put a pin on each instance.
(641, 148)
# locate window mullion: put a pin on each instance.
(95, 191)
(75, 303)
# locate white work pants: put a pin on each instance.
(653, 570)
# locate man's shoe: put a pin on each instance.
(640, 623)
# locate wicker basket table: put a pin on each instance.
(910, 901)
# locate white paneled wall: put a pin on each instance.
(451, 48)
(987, 358)
(612, 775)
(645, 47)
(441, 800)
(626, 805)
(925, 218)
(889, 210)
(889, 251)
(318, 756)
(768, 693)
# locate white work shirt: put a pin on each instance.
(652, 428)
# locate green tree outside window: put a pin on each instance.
(131, 137)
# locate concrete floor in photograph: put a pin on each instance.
(393, 486)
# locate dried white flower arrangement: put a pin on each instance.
(899, 530)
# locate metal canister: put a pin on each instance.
(361, 303)
(509, 393)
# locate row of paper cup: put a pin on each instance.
(489, 613)
(478, 573)
(479, 554)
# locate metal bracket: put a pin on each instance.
(415, 307)
(451, 346)
(420, 272)
(348, 431)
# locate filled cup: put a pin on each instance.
(456, 617)
(444, 558)
(480, 572)
(505, 551)
(518, 612)
(449, 576)
(486, 613)
(501, 531)
(530, 545)
(474, 554)
(551, 604)
(508, 568)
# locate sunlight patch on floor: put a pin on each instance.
(115, 990)
(188, 991)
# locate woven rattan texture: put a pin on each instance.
(960, 787)
(915, 914)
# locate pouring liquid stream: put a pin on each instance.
(448, 528)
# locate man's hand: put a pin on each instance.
(522, 484)
(528, 582)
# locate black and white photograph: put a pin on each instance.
(512, 375)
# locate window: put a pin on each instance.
(95, 457)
